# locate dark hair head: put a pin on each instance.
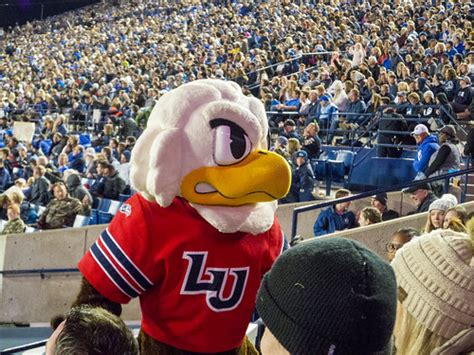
(408, 232)
(95, 331)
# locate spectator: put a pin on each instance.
(124, 167)
(340, 98)
(294, 145)
(312, 108)
(456, 225)
(114, 185)
(335, 218)
(76, 159)
(368, 216)
(448, 157)
(302, 314)
(91, 330)
(40, 188)
(15, 224)
(379, 202)
(446, 111)
(311, 141)
(281, 147)
(97, 188)
(5, 178)
(464, 96)
(422, 195)
(355, 107)
(289, 129)
(128, 127)
(456, 212)
(62, 163)
(436, 212)
(399, 239)
(390, 121)
(328, 117)
(435, 277)
(305, 177)
(76, 190)
(427, 146)
(61, 211)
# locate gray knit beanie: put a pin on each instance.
(435, 275)
(329, 296)
(446, 202)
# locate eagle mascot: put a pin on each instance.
(195, 240)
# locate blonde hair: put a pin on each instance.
(411, 336)
(456, 225)
(428, 225)
(14, 207)
(293, 145)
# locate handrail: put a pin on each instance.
(24, 347)
(453, 119)
(365, 194)
(38, 271)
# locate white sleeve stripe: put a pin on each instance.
(118, 271)
(122, 267)
(110, 277)
(126, 256)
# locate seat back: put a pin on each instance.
(114, 207)
(81, 221)
(319, 169)
(104, 205)
(94, 218)
(104, 217)
(347, 158)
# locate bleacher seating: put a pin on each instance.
(335, 166)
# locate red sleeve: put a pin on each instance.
(275, 237)
(118, 263)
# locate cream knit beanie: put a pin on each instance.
(435, 277)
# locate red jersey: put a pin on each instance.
(197, 286)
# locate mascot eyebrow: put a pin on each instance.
(237, 135)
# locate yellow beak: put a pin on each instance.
(262, 176)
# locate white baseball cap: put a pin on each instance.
(419, 129)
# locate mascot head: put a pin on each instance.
(206, 142)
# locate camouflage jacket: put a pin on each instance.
(14, 226)
(60, 213)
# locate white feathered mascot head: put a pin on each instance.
(206, 142)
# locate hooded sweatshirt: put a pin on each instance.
(424, 152)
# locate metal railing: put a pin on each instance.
(25, 347)
(445, 177)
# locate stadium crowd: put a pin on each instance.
(334, 67)
(88, 80)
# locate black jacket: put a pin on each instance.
(113, 186)
(40, 192)
(425, 205)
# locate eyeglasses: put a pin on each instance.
(393, 247)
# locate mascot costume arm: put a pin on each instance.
(196, 239)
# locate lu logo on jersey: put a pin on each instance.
(214, 286)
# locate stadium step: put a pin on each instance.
(469, 197)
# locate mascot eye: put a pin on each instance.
(231, 143)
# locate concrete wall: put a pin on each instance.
(35, 298)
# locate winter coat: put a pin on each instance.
(424, 152)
